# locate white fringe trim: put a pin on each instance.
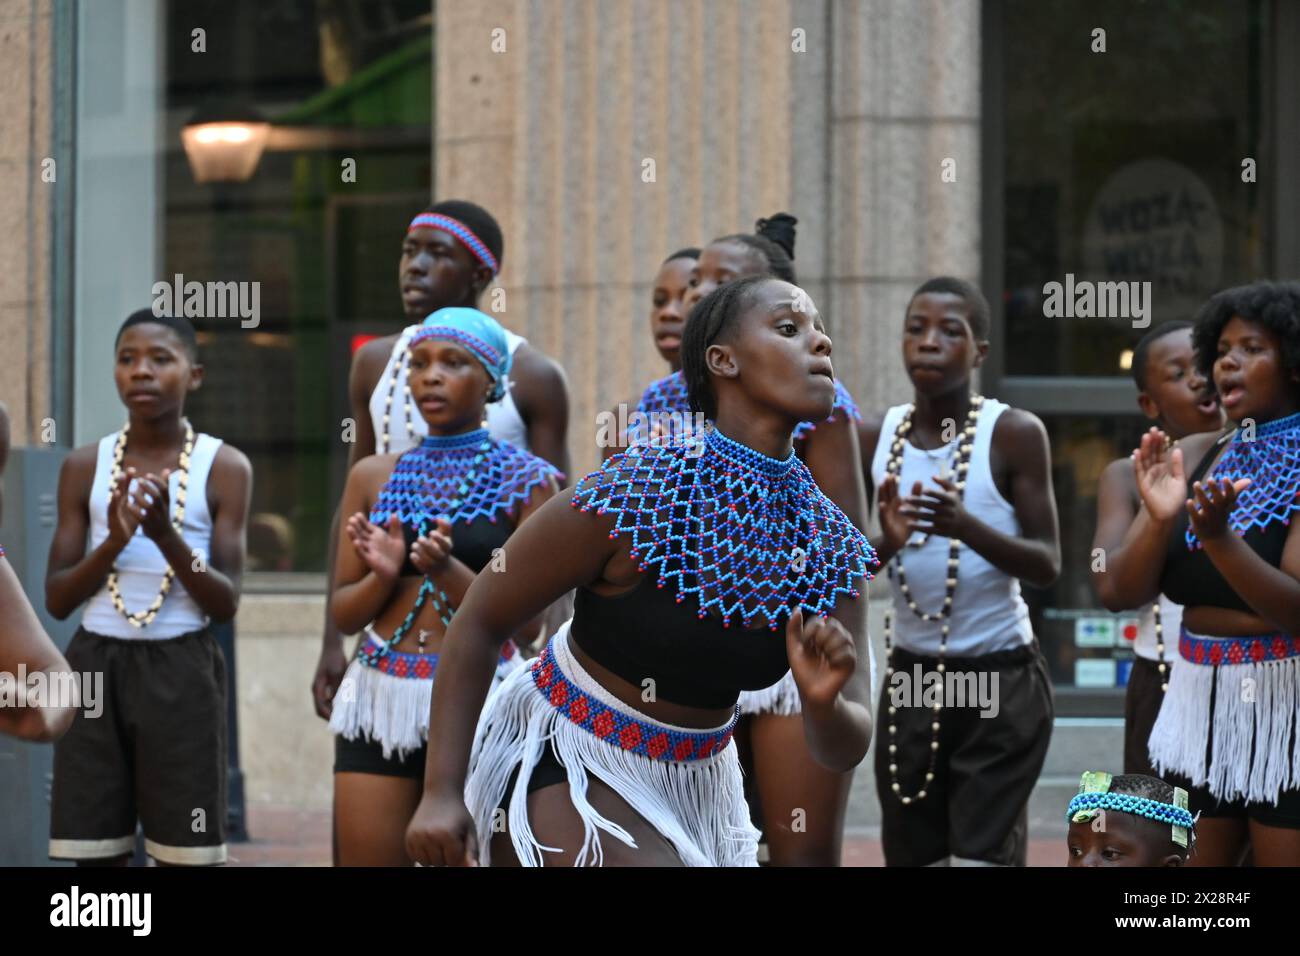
(697, 806)
(781, 698)
(393, 711)
(1259, 714)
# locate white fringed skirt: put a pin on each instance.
(686, 783)
(389, 702)
(782, 698)
(1254, 684)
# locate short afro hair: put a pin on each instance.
(177, 323)
(1141, 350)
(1273, 305)
(977, 306)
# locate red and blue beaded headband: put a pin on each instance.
(436, 220)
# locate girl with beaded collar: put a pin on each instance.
(165, 509)
(954, 781)
(421, 526)
(688, 555)
(1219, 540)
(784, 783)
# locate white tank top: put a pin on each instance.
(503, 418)
(140, 565)
(1171, 619)
(988, 613)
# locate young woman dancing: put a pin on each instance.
(691, 557)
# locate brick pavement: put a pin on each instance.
(289, 836)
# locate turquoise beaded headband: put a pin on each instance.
(1094, 796)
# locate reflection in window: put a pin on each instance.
(1126, 166)
(339, 80)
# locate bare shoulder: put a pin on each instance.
(1195, 447)
(1016, 425)
(368, 362)
(531, 366)
(230, 461)
(375, 465)
(1119, 474)
(82, 460)
(869, 429)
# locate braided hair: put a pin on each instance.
(773, 240)
(713, 319)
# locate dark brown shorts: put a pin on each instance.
(156, 753)
(975, 809)
(1142, 702)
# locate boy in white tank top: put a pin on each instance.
(964, 495)
(150, 538)
(1177, 397)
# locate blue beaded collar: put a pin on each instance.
(461, 478)
(1270, 458)
(746, 536)
(668, 399)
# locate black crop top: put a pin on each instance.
(472, 544)
(1190, 577)
(694, 662)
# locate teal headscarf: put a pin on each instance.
(478, 333)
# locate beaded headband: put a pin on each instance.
(436, 220)
(1094, 796)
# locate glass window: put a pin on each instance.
(1122, 166)
(344, 85)
(1126, 166)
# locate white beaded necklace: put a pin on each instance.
(145, 618)
(894, 466)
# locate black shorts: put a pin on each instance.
(1142, 702)
(976, 808)
(364, 755)
(156, 753)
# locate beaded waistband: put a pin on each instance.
(557, 677)
(404, 664)
(1236, 650)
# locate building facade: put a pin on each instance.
(1004, 142)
